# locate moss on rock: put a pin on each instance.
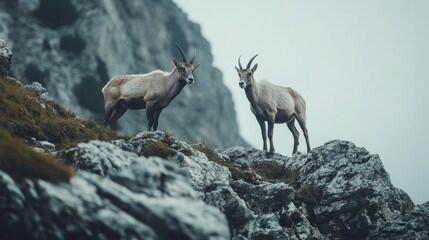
(23, 113)
(20, 162)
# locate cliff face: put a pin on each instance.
(73, 47)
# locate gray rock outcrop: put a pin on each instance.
(73, 47)
(151, 199)
(337, 191)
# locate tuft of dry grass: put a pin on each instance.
(272, 172)
(20, 162)
(160, 149)
(187, 152)
(25, 114)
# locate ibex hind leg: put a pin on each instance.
(295, 133)
(303, 125)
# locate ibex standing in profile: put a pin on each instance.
(273, 104)
(153, 91)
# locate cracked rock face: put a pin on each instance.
(74, 47)
(337, 191)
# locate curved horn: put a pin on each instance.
(181, 53)
(239, 63)
(250, 62)
(193, 58)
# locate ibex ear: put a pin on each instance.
(236, 68)
(254, 68)
(176, 63)
(196, 65)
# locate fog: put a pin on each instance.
(362, 67)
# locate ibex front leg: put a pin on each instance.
(156, 117)
(150, 118)
(261, 122)
(119, 111)
(271, 118)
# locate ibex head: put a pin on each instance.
(246, 74)
(185, 69)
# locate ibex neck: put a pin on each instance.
(250, 91)
(176, 83)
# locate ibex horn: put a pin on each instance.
(193, 58)
(239, 63)
(181, 53)
(250, 62)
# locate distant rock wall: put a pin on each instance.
(73, 47)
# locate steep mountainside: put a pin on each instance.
(73, 47)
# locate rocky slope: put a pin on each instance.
(73, 47)
(155, 186)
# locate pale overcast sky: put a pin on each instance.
(362, 67)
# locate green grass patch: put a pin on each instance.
(25, 114)
(20, 162)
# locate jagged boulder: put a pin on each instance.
(236, 210)
(98, 157)
(152, 199)
(340, 189)
(346, 190)
(5, 59)
(38, 89)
